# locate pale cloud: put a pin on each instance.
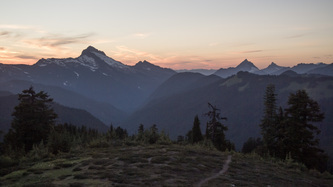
(295, 36)
(250, 51)
(241, 44)
(103, 41)
(8, 55)
(54, 41)
(298, 28)
(175, 61)
(214, 44)
(26, 57)
(12, 57)
(25, 44)
(15, 27)
(133, 55)
(7, 51)
(189, 62)
(9, 34)
(4, 33)
(141, 35)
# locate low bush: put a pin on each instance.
(38, 152)
(6, 161)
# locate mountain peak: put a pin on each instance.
(91, 49)
(245, 63)
(247, 66)
(273, 64)
(143, 62)
(145, 65)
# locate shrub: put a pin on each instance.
(99, 143)
(164, 139)
(38, 152)
(6, 161)
(59, 142)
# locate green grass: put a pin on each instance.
(167, 165)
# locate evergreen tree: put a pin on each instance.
(215, 129)
(269, 124)
(141, 131)
(280, 134)
(300, 141)
(196, 131)
(121, 133)
(251, 145)
(153, 137)
(180, 139)
(189, 136)
(59, 140)
(33, 120)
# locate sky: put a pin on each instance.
(178, 34)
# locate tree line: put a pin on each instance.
(34, 131)
(286, 133)
(215, 131)
(290, 133)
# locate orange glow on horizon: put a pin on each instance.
(173, 62)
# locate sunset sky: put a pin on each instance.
(177, 34)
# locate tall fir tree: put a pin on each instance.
(141, 131)
(269, 123)
(33, 120)
(280, 134)
(196, 131)
(300, 140)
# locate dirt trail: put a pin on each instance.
(224, 169)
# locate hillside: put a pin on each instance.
(239, 97)
(101, 110)
(168, 165)
(73, 116)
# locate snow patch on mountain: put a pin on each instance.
(59, 62)
(110, 61)
(87, 61)
(66, 83)
(77, 74)
(253, 69)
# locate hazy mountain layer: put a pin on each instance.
(239, 97)
(274, 69)
(73, 116)
(111, 91)
(93, 75)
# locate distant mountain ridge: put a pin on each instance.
(94, 82)
(239, 97)
(201, 71)
(124, 95)
(94, 75)
(274, 69)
